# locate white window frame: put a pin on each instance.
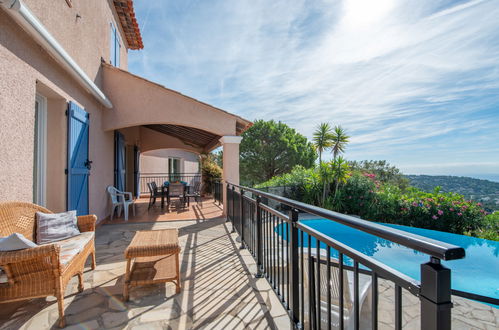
(115, 57)
(40, 163)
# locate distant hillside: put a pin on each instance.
(484, 191)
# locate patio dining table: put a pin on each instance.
(164, 192)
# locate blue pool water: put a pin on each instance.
(477, 273)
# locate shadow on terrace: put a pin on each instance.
(219, 289)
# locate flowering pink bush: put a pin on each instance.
(387, 203)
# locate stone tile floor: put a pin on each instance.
(205, 209)
(219, 290)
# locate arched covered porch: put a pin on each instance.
(147, 116)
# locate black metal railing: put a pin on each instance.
(323, 282)
(161, 178)
(217, 188)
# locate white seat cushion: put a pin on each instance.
(70, 247)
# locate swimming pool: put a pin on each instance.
(477, 273)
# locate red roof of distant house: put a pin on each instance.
(124, 8)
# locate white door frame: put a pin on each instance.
(40, 163)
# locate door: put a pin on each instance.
(78, 162)
(136, 170)
(174, 169)
(120, 161)
(40, 148)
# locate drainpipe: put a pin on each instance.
(22, 15)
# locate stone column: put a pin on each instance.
(230, 173)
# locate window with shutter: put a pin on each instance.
(115, 44)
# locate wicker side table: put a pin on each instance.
(155, 255)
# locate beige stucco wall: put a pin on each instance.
(141, 102)
(156, 161)
(87, 38)
(23, 63)
(230, 164)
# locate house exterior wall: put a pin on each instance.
(156, 161)
(87, 38)
(27, 69)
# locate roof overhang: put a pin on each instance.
(140, 102)
(126, 15)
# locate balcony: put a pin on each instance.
(222, 287)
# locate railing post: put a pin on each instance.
(232, 210)
(259, 239)
(219, 192)
(294, 281)
(241, 216)
(228, 210)
(435, 296)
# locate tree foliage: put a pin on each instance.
(383, 171)
(340, 140)
(272, 148)
(365, 195)
(323, 139)
(210, 171)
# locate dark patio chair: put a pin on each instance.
(195, 192)
(154, 193)
(176, 190)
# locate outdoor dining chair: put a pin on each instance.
(154, 193)
(177, 190)
(195, 192)
(120, 200)
(348, 290)
(279, 268)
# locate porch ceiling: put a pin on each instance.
(189, 135)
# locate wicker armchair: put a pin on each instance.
(39, 272)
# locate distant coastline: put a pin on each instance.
(487, 176)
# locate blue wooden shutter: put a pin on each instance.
(136, 173)
(78, 162)
(119, 158)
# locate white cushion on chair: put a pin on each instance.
(14, 242)
(70, 247)
(55, 227)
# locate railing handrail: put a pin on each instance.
(175, 173)
(435, 248)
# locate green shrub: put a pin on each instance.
(373, 200)
(210, 171)
(304, 184)
(356, 196)
(488, 227)
(440, 211)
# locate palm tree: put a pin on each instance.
(340, 140)
(341, 172)
(339, 164)
(323, 139)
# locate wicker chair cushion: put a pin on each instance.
(51, 227)
(14, 242)
(72, 246)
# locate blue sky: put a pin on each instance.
(413, 82)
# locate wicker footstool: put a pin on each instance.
(156, 254)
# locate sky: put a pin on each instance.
(415, 83)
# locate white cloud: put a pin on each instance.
(403, 77)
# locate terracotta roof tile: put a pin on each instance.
(124, 9)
